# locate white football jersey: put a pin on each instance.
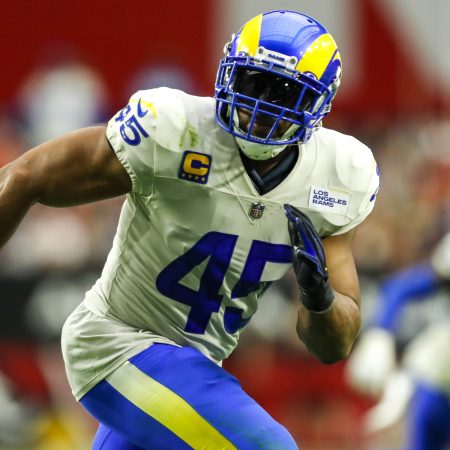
(196, 244)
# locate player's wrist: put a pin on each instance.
(319, 299)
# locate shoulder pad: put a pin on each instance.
(344, 164)
(178, 116)
(354, 161)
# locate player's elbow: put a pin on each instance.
(333, 356)
(16, 182)
(329, 352)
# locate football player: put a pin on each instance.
(212, 185)
(420, 385)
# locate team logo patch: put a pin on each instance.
(256, 211)
(195, 167)
(329, 199)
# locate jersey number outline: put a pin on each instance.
(218, 248)
(132, 125)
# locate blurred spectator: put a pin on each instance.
(81, 236)
(62, 94)
(16, 417)
(420, 384)
(413, 204)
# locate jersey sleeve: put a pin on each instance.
(365, 178)
(152, 119)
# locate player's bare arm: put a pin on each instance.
(330, 335)
(78, 168)
(329, 316)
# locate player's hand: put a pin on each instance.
(309, 262)
(372, 361)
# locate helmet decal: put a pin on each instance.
(318, 56)
(248, 40)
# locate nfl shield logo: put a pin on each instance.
(256, 211)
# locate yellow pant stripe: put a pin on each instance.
(168, 408)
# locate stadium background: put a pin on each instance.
(67, 64)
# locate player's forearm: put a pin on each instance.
(15, 200)
(330, 336)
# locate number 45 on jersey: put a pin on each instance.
(219, 248)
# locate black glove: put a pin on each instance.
(310, 267)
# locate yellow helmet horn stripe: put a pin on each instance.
(318, 56)
(248, 40)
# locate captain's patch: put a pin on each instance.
(195, 167)
(329, 200)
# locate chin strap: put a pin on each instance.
(253, 150)
(259, 151)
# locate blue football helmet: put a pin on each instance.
(276, 82)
